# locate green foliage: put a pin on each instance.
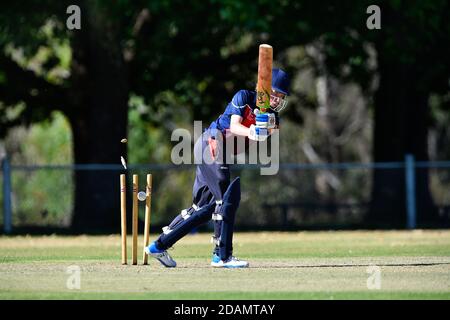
(42, 197)
(31, 16)
(219, 38)
(150, 126)
(49, 142)
(186, 60)
(149, 141)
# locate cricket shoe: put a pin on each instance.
(231, 262)
(161, 255)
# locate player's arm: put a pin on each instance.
(253, 133)
(237, 128)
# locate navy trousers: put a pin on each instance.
(212, 176)
(211, 182)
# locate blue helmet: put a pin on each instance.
(280, 81)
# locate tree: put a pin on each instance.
(202, 52)
(123, 48)
(412, 63)
(411, 52)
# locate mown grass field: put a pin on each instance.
(291, 265)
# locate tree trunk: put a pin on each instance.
(99, 118)
(401, 127)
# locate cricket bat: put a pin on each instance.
(264, 84)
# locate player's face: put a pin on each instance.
(277, 101)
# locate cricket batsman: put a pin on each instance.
(214, 196)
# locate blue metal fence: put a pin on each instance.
(7, 210)
(409, 165)
(410, 180)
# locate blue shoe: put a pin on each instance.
(161, 255)
(215, 259)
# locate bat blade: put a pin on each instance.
(264, 84)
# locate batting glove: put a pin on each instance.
(257, 133)
(265, 120)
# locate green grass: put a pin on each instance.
(294, 265)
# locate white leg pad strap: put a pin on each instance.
(185, 214)
(215, 240)
(166, 230)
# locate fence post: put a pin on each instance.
(7, 211)
(410, 179)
